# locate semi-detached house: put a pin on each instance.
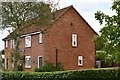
(69, 41)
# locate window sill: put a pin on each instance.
(27, 47)
(74, 46)
(80, 65)
(27, 67)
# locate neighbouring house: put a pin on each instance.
(69, 41)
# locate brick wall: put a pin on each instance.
(59, 37)
(34, 51)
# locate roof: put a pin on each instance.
(56, 15)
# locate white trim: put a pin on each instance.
(11, 43)
(28, 41)
(98, 51)
(80, 58)
(3, 56)
(74, 40)
(6, 44)
(6, 62)
(25, 61)
(38, 60)
(33, 33)
(40, 37)
(98, 64)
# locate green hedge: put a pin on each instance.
(94, 74)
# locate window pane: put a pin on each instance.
(27, 41)
(11, 43)
(40, 38)
(28, 62)
(39, 61)
(80, 60)
(6, 63)
(74, 40)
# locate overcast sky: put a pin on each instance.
(86, 8)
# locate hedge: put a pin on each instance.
(93, 74)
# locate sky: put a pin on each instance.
(86, 8)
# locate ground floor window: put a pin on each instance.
(39, 61)
(27, 61)
(6, 63)
(80, 60)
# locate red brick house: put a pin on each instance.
(68, 41)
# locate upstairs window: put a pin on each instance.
(80, 60)
(40, 37)
(27, 61)
(74, 40)
(11, 43)
(28, 41)
(6, 43)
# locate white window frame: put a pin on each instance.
(80, 58)
(74, 40)
(27, 57)
(28, 41)
(98, 64)
(12, 64)
(40, 37)
(6, 43)
(38, 61)
(6, 62)
(11, 43)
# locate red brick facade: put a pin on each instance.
(58, 40)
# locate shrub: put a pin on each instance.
(94, 74)
(59, 67)
(20, 68)
(49, 67)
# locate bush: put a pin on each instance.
(95, 74)
(20, 68)
(49, 67)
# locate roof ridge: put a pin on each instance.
(62, 11)
(66, 7)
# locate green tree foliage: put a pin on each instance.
(93, 74)
(2, 52)
(20, 15)
(109, 39)
(1, 60)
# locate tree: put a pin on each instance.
(0, 62)
(20, 15)
(109, 39)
